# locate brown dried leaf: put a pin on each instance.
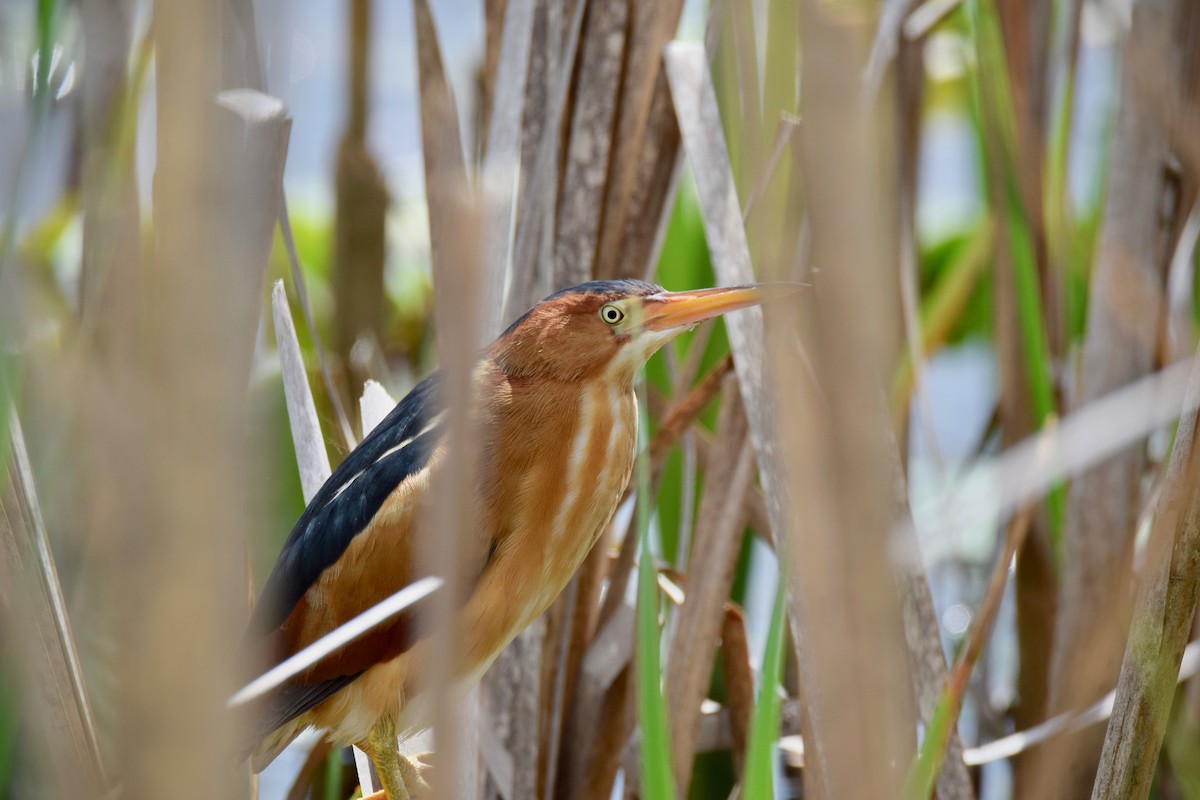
(729, 473)
(739, 681)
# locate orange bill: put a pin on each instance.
(670, 310)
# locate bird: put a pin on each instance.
(555, 413)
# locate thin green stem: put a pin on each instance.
(658, 783)
(764, 726)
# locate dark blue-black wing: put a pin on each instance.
(398, 447)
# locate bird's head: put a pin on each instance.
(608, 327)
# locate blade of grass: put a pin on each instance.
(764, 729)
(699, 122)
(925, 17)
(10, 715)
(941, 310)
(993, 104)
(22, 472)
(923, 774)
(1162, 622)
(47, 18)
(1056, 202)
(657, 780)
(311, 455)
(301, 287)
(719, 527)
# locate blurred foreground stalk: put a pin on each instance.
(173, 510)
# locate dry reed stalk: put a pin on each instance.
(611, 738)
(927, 659)
(697, 111)
(772, 229)
(887, 43)
(1170, 587)
(1120, 345)
(184, 497)
(66, 751)
(1025, 27)
(502, 159)
(111, 254)
(457, 293)
(921, 627)
(362, 202)
(597, 92)
(710, 571)
(312, 459)
(609, 649)
(1036, 590)
(652, 26)
(838, 452)
(533, 247)
(455, 231)
(922, 630)
(494, 24)
(527, 276)
(696, 108)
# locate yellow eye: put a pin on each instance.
(611, 314)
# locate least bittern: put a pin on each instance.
(558, 426)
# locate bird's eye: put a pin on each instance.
(611, 314)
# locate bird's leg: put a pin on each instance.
(383, 750)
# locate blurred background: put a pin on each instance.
(992, 202)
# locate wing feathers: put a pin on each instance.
(398, 447)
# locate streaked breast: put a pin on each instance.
(567, 501)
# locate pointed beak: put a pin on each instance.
(679, 310)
